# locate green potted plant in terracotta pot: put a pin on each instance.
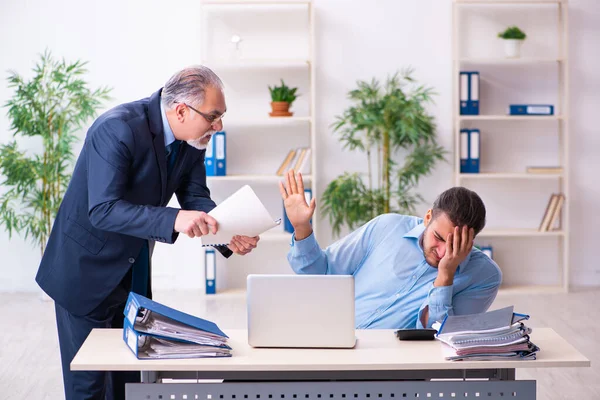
(282, 98)
(513, 39)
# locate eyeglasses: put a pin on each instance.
(210, 118)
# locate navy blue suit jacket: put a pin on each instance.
(116, 199)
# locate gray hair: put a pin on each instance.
(189, 86)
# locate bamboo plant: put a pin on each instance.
(391, 125)
(50, 108)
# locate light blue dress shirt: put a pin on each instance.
(393, 282)
(169, 136)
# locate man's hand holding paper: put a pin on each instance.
(241, 218)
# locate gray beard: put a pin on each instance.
(197, 144)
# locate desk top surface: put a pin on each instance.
(105, 350)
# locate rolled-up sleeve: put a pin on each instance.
(443, 301)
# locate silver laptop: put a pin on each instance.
(301, 311)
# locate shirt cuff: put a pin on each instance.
(439, 301)
(305, 245)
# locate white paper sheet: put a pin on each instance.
(243, 214)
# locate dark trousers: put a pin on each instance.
(72, 332)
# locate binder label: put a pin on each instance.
(538, 110)
(210, 265)
(220, 147)
(131, 342)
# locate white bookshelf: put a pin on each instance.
(509, 175)
(539, 58)
(253, 178)
(268, 121)
(518, 233)
(277, 43)
(533, 118)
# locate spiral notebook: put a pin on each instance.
(243, 214)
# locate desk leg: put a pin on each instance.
(506, 374)
(149, 376)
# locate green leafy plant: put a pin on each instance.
(283, 93)
(383, 122)
(512, 32)
(51, 106)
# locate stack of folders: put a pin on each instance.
(494, 335)
(155, 331)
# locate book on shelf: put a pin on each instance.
(286, 162)
(557, 211)
(544, 170)
(296, 159)
(553, 210)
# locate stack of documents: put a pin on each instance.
(152, 330)
(494, 335)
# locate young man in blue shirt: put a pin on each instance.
(409, 272)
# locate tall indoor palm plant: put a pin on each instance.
(388, 124)
(52, 106)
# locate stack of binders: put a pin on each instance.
(154, 331)
(470, 146)
(493, 335)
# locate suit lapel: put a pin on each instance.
(158, 141)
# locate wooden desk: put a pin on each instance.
(379, 367)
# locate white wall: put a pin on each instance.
(134, 46)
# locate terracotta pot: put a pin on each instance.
(280, 109)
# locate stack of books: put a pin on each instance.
(154, 331)
(494, 335)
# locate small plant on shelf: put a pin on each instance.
(282, 98)
(513, 39)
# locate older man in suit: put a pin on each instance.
(135, 157)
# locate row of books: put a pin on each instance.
(494, 335)
(469, 95)
(296, 159)
(552, 213)
(154, 331)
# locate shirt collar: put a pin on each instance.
(169, 136)
(415, 232)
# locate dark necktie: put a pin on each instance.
(172, 150)
(141, 267)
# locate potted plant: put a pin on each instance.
(513, 39)
(392, 124)
(282, 98)
(53, 106)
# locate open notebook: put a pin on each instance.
(242, 213)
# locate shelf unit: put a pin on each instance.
(277, 42)
(560, 121)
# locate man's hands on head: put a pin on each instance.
(458, 245)
(199, 223)
(298, 211)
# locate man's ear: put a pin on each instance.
(181, 112)
(427, 218)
